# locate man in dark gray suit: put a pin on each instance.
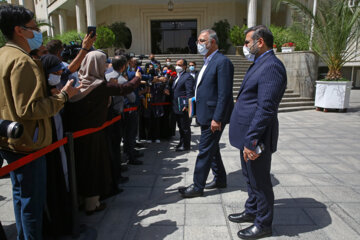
(254, 129)
(214, 103)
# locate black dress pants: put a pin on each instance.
(183, 123)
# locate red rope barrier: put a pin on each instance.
(160, 104)
(32, 156)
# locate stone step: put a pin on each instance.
(296, 104)
(293, 109)
(296, 99)
(291, 95)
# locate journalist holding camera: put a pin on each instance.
(24, 99)
(73, 52)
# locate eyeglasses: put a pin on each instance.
(31, 28)
(201, 41)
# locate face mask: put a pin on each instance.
(179, 69)
(168, 63)
(202, 49)
(192, 68)
(36, 41)
(152, 59)
(250, 52)
(54, 79)
(248, 55)
(164, 72)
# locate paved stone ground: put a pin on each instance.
(316, 176)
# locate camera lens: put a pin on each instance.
(10, 129)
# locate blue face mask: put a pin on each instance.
(164, 72)
(36, 41)
(191, 68)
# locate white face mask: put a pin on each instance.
(202, 49)
(168, 63)
(179, 69)
(249, 53)
(54, 79)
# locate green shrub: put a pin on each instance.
(222, 29)
(237, 35)
(123, 37)
(105, 37)
(293, 34)
(66, 38)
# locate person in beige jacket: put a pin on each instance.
(24, 99)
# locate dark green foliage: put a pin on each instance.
(222, 29)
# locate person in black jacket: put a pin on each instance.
(182, 90)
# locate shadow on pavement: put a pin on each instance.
(295, 216)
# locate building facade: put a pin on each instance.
(179, 19)
(160, 26)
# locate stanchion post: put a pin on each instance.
(73, 186)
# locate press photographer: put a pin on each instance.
(72, 52)
(26, 102)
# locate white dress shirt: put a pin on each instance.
(207, 61)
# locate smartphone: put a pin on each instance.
(91, 29)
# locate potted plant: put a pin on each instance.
(274, 48)
(288, 47)
(335, 25)
(237, 37)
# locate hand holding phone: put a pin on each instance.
(92, 30)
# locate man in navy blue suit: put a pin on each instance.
(214, 103)
(182, 88)
(254, 129)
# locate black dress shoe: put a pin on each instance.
(254, 232)
(135, 162)
(213, 184)
(190, 192)
(241, 217)
(182, 148)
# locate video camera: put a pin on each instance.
(10, 129)
(70, 51)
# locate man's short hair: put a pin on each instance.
(54, 46)
(263, 32)
(12, 16)
(184, 61)
(193, 62)
(119, 62)
(212, 35)
(119, 52)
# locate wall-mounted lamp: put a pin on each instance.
(170, 5)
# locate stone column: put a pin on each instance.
(91, 12)
(289, 19)
(62, 21)
(252, 7)
(266, 12)
(80, 16)
(54, 21)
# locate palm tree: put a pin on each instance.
(336, 31)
